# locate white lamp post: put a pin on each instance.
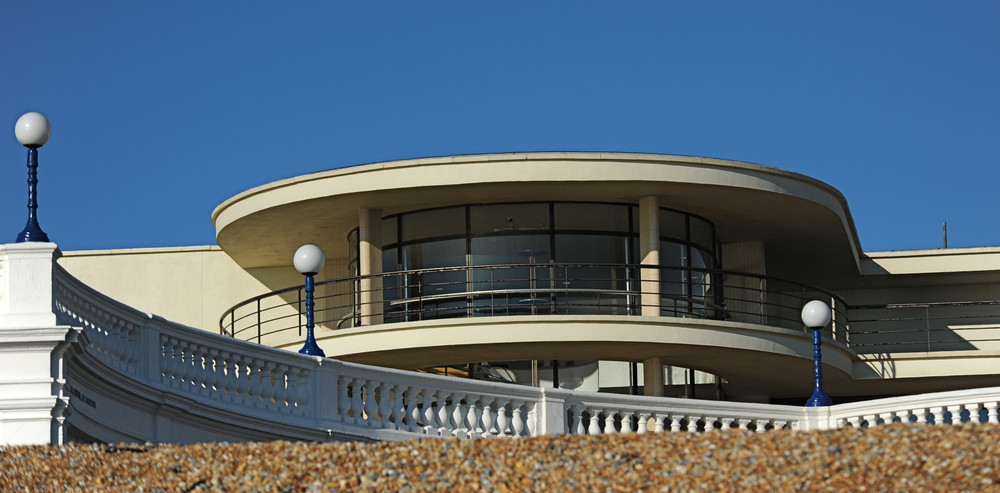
(817, 315)
(32, 131)
(309, 260)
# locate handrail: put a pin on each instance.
(926, 326)
(535, 289)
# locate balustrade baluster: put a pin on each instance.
(397, 411)
(710, 423)
(344, 400)
(760, 425)
(991, 413)
(186, 366)
(577, 427)
(370, 406)
(642, 424)
(283, 387)
(488, 420)
(692, 425)
(502, 420)
(443, 414)
(291, 388)
(211, 371)
(675, 422)
(357, 404)
(658, 425)
(955, 414)
(133, 344)
(276, 386)
(780, 425)
(744, 424)
(939, 413)
(518, 418)
(228, 377)
(199, 375)
(168, 361)
(243, 373)
(387, 406)
(303, 392)
(458, 416)
(256, 382)
(627, 423)
(473, 416)
(429, 414)
(609, 422)
(412, 409)
(595, 427)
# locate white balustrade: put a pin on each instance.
(237, 379)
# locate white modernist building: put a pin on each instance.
(548, 292)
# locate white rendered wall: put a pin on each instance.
(189, 285)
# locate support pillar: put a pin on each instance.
(649, 255)
(370, 264)
(32, 401)
(652, 375)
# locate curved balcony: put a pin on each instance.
(533, 290)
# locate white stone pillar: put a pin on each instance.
(652, 376)
(31, 347)
(370, 262)
(649, 255)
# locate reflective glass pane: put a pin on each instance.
(592, 217)
(433, 223)
(673, 254)
(702, 233)
(673, 225)
(509, 218)
(389, 230)
(511, 250)
(591, 249)
(443, 253)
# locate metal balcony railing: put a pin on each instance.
(926, 327)
(532, 290)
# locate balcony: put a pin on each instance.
(533, 290)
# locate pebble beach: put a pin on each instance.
(887, 458)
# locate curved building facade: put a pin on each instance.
(632, 273)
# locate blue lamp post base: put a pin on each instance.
(310, 347)
(32, 231)
(819, 398)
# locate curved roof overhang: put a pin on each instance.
(791, 212)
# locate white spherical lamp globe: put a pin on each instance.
(309, 260)
(32, 129)
(816, 314)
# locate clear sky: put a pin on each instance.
(162, 110)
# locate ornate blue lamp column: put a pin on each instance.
(32, 131)
(309, 260)
(816, 315)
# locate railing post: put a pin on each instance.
(32, 398)
(550, 413)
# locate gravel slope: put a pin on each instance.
(887, 458)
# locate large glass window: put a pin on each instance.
(554, 257)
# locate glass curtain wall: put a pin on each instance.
(535, 258)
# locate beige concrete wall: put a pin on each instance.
(189, 285)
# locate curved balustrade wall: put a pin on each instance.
(533, 289)
(137, 377)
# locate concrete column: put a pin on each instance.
(370, 262)
(649, 255)
(652, 375)
(32, 400)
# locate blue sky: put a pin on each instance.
(162, 110)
